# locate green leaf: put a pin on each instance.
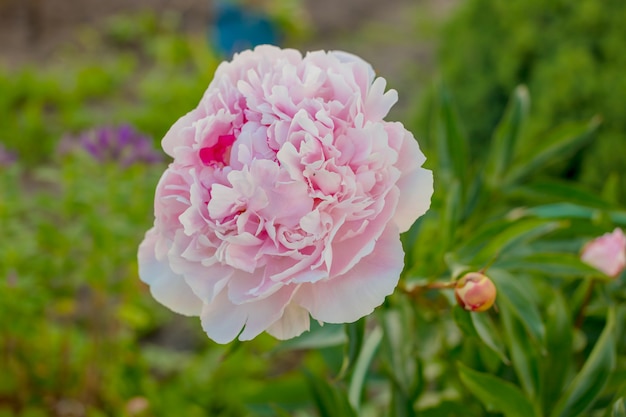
(506, 136)
(452, 145)
(588, 384)
(401, 365)
(512, 290)
(329, 400)
(517, 233)
(497, 395)
(487, 332)
(451, 215)
(554, 190)
(318, 337)
(619, 408)
(355, 333)
(362, 365)
(523, 354)
(463, 319)
(567, 140)
(548, 264)
(562, 211)
(556, 363)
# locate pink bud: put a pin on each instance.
(607, 253)
(475, 292)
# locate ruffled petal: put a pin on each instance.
(168, 288)
(359, 291)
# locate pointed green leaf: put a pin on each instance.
(463, 319)
(506, 136)
(555, 190)
(588, 384)
(451, 214)
(517, 233)
(355, 332)
(566, 141)
(562, 211)
(497, 395)
(400, 363)
(556, 363)
(329, 400)
(523, 353)
(511, 290)
(564, 265)
(364, 360)
(619, 408)
(452, 145)
(487, 332)
(318, 337)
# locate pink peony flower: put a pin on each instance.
(607, 253)
(285, 198)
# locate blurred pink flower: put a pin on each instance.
(607, 253)
(285, 198)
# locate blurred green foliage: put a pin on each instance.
(80, 335)
(138, 69)
(569, 54)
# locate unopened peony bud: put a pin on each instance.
(607, 253)
(475, 292)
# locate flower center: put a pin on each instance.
(218, 153)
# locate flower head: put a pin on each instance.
(607, 253)
(121, 144)
(285, 198)
(475, 292)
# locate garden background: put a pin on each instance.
(517, 105)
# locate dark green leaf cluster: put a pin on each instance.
(569, 54)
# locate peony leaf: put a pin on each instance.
(355, 332)
(401, 365)
(452, 145)
(619, 408)
(512, 291)
(329, 400)
(497, 395)
(561, 211)
(563, 265)
(506, 136)
(318, 337)
(487, 332)
(556, 362)
(363, 363)
(451, 214)
(523, 354)
(547, 190)
(590, 381)
(566, 140)
(518, 232)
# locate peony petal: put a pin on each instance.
(222, 320)
(294, 322)
(416, 190)
(358, 292)
(168, 288)
(415, 183)
(182, 133)
(348, 252)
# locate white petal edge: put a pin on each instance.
(168, 288)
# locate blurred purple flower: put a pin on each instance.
(122, 144)
(6, 157)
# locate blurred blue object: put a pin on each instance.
(236, 28)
